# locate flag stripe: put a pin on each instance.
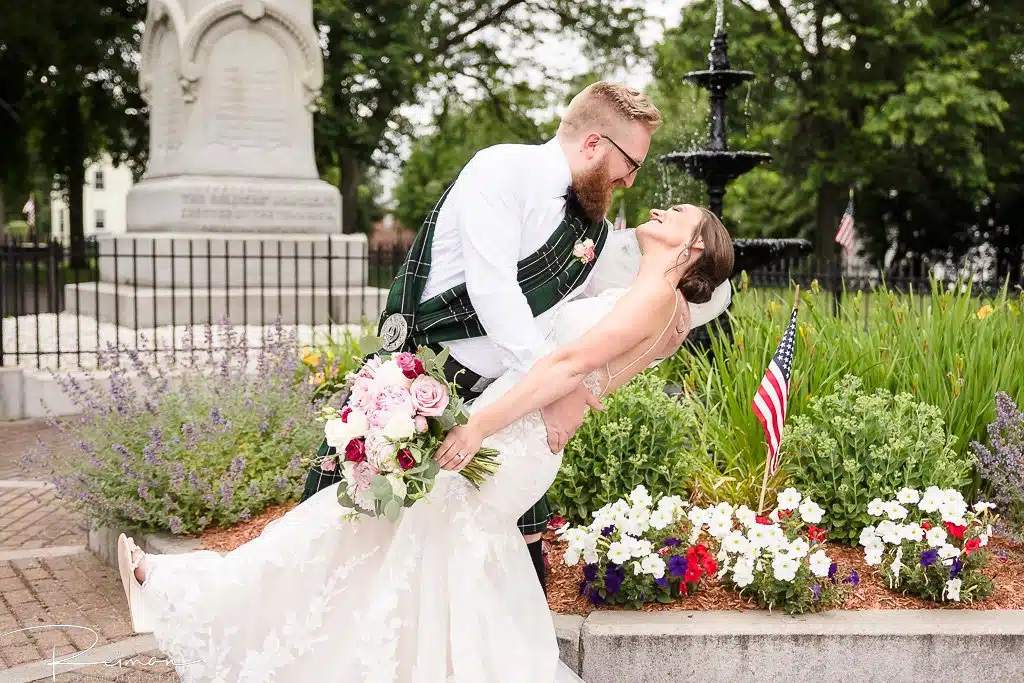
(771, 400)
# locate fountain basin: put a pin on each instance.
(751, 254)
(719, 80)
(716, 167)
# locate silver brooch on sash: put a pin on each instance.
(394, 332)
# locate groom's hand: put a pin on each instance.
(563, 417)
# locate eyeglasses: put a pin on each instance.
(636, 165)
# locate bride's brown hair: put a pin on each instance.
(714, 266)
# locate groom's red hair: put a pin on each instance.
(604, 104)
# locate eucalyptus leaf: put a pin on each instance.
(380, 487)
(392, 510)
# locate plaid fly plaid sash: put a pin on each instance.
(546, 277)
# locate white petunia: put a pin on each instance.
(572, 555)
(984, 539)
(789, 499)
(819, 563)
(981, 507)
(641, 548)
(888, 531)
(742, 578)
(908, 496)
(640, 497)
(931, 499)
(590, 555)
(949, 552)
(897, 565)
(811, 512)
(952, 591)
(720, 525)
(774, 516)
(758, 536)
(776, 538)
(784, 568)
(798, 548)
(736, 542)
(746, 516)
(654, 566)
(936, 536)
(913, 532)
(696, 516)
(660, 519)
(575, 535)
(619, 552)
(953, 511)
(876, 508)
(895, 511)
(873, 554)
(724, 509)
(867, 535)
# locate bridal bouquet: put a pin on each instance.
(398, 411)
(930, 544)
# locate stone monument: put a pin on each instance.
(231, 217)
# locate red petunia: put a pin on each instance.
(955, 530)
(763, 520)
(701, 549)
(709, 564)
(815, 533)
(972, 545)
(926, 525)
(693, 573)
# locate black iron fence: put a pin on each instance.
(147, 292)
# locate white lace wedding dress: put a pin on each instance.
(447, 594)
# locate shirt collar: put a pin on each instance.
(554, 168)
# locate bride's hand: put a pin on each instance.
(459, 447)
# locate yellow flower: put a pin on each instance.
(310, 357)
(774, 306)
(984, 312)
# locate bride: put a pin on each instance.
(447, 593)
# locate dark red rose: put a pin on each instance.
(355, 451)
(410, 365)
(405, 459)
(345, 413)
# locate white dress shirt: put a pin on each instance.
(504, 206)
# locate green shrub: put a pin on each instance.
(852, 446)
(327, 361)
(644, 437)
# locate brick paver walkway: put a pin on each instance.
(57, 598)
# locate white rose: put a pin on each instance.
(400, 427)
(339, 433)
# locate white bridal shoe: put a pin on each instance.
(126, 564)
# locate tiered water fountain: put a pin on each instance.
(717, 165)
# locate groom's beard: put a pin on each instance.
(594, 190)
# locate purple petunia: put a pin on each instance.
(956, 568)
(662, 583)
(596, 599)
(928, 557)
(672, 542)
(832, 569)
(677, 565)
(614, 575)
(590, 572)
(816, 591)
(608, 530)
(853, 578)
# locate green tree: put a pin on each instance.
(380, 56)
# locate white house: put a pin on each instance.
(103, 201)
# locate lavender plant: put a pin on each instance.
(1001, 464)
(208, 440)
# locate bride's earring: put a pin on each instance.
(686, 254)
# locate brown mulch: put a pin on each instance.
(1006, 568)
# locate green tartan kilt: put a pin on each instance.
(534, 521)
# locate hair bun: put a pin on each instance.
(696, 289)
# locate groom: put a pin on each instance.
(518, 233)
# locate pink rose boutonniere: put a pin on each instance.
(584, 251)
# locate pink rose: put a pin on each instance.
(388, 402)
(429, 397)
(328, 465)
(410, 365)
(421, 424)
(362, 474)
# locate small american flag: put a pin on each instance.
(844, 235)
(772, 397)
